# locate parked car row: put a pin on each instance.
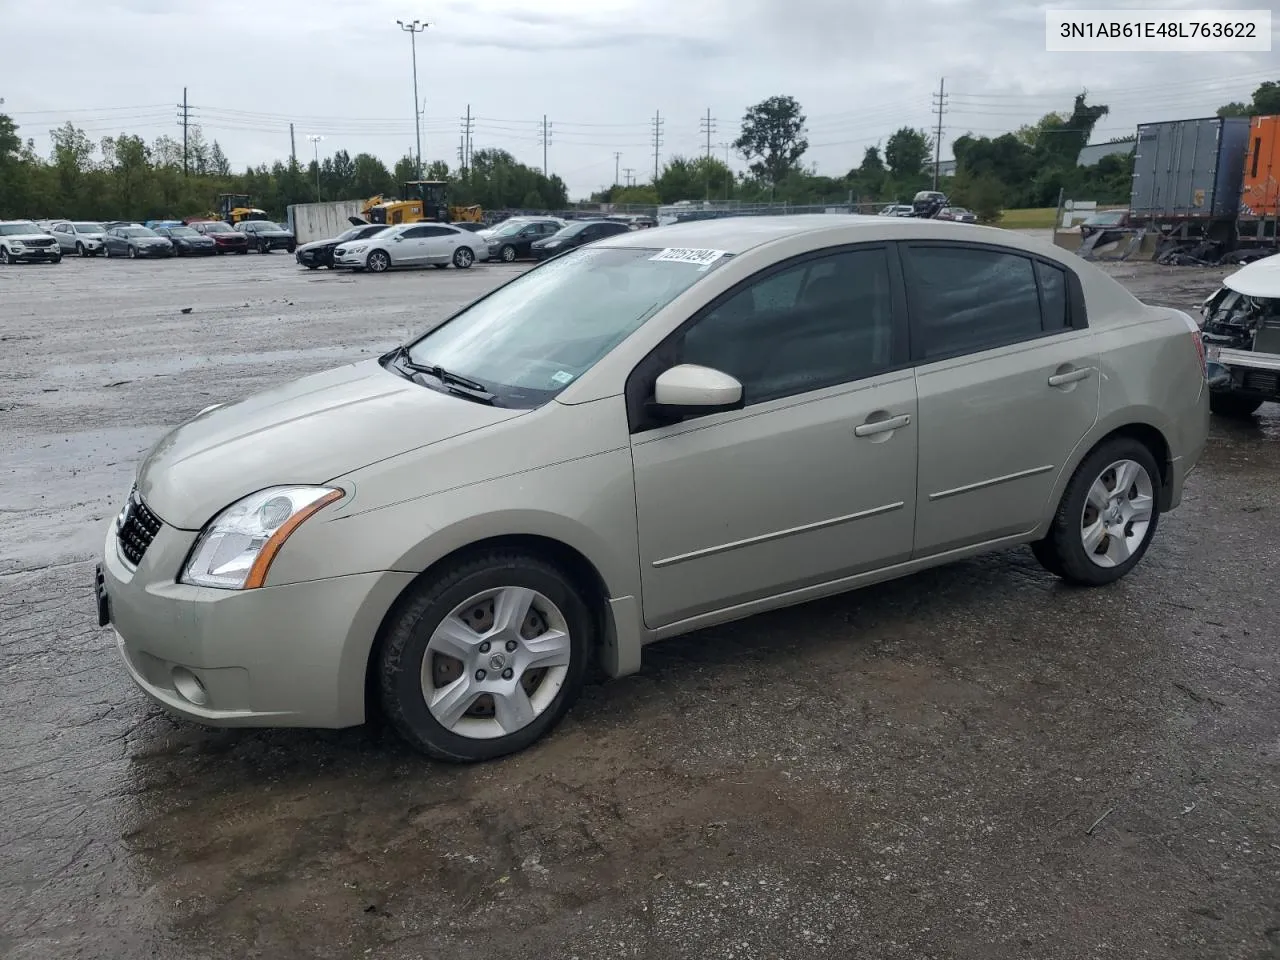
(25, 240)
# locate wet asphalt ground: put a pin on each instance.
(975, 762)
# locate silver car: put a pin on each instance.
(663, 431)
(81, 237)
(412, 245)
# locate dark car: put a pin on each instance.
(473, 226)
(514, 241)
(576, 235)
(319, 253)
(135, 241)
(1105, 220)
(267, 235)
(225, 239)
(186, 241)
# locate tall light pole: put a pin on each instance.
(315, 142)
(413, 29)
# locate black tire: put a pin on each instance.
(291, 247)
(264, 247)
(1062, 551)
(218, 251)
(133, 253)
(378, 261)
(403, 647)
(80, 250)
(463, 258)
(244, 249)
(1233, 405)
(507, 254)
(57, 259)
(313, 266)
(4, 255)
(106, 251)
(441, 266)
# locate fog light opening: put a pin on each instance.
(189, 686)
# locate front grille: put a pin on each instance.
(49, 242)
(136, 528)
(1261, 381)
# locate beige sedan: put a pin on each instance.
(666, 430)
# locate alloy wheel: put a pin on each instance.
(463, 258)
(508, 254)
(496, 662)
(1117, 513)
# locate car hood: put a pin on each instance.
(274, 234)
(24, 237)
(317, 245)
(1258, 279)
(308, 431)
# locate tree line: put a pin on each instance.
(125, 177)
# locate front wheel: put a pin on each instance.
(57, 259)
(378, 261)
(463, 257)
(1107, 516)
(244, 249)
(1233, 405)
(4, 255)
(80, 250)
(264, 247)
(133, 253)
(486, 658)
(508, 254)
(313, 266)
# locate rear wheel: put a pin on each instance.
(486, 658)
(378, 261)
(1232, 405)
(463, 257)
(1107, 516)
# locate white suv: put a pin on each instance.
(23, 240)
(81, 237)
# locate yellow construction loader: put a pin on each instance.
(420, 200)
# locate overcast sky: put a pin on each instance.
(598, 70)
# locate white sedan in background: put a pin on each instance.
(413, 245)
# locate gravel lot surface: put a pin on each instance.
(975, 762)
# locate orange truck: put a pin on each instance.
(1260, 194)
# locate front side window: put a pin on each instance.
(824, 321)
(532, 337)
(414, 233)
(963, 300)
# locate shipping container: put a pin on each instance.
(1189, 169)
(322, 221)
(1260, 196)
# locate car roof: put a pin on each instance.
(736, 235)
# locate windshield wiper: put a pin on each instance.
(471, 389)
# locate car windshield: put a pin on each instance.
(138, 232)
(17, 229)
(509, 229)
(216, 228)
(532, 337)
(266, 225)
(1111, 216)
(181, 232)
(356, 233)
(88, 228)
(572, 230)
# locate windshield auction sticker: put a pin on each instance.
(703, 258)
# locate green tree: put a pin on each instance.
(436, 170)
(370, 176)
(906, 151)
(219, 166)
(1265, 103)
(773, 140)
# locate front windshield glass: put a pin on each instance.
(18, 229)
(531, 338)
(509, 229)
(216, 228)
(138, 232)
(88, 228)
(181, 232)
(572, 230)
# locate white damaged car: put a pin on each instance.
(1241, 334)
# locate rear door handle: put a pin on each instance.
(881, 426)
(1071, 376)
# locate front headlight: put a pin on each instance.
(236, 549)
(358, 249)
(552, 243)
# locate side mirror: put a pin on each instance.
(690, 389)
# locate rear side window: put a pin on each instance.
(963, 300)
(1053, 296)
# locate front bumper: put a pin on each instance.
(542, 253)
(230, 245)
(313, 257)
(290, 655)
(350, 260)
(36, 254)
(1244, 372)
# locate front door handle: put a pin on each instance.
(873, 427)
(1071, 376)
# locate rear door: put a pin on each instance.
(439, 243)
(1008, 381)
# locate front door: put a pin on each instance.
(814, 478)
(1008, 385)
(411, 247)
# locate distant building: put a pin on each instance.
(946, 168)
(1092, 153)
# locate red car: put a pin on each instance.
(224, 238)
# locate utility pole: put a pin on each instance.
(708, 126)
(617, 159)
(413, 29)
(293, 146)
(315, 141)
(546, 139)
(657, 141)
(186, 118)
(466, 141)
(630, 174)
(939, 107)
